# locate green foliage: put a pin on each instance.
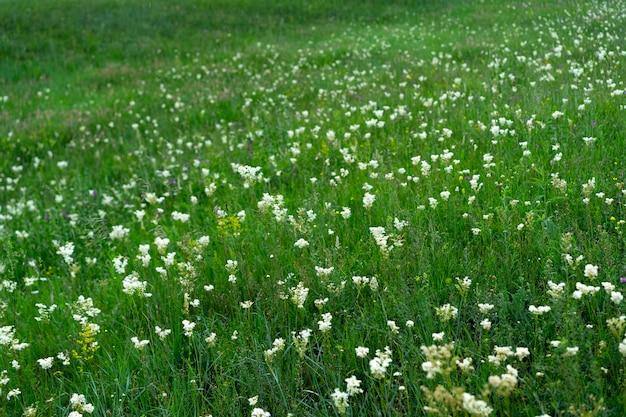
(246, 207)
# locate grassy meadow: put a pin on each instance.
(312, 208)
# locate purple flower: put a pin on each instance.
(622, 280)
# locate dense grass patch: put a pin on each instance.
(312, 209)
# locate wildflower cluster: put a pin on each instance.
(425, 216)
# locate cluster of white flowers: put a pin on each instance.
(485, 307)
(368, 200)
(323, 272)
(582, 289)
(132, 285)
(438, 359)
(79, 405)
(622, 347)
(66, 251)
(615, 296)
(143, 256)
(362, 282)
(119, 232)
(181, 217)
(139, 344)
(301, 243)
(379, 364)
(350, 140)
(591, 271)
(325, 324)
(475, 407)
(162, 333)
(538, 311)
(250, 175)
(341, 398)
(275, 204)
(463, 285)
(362, 351)
(299, 294)
(446, 312)
(301, 341)
(152, 199)
(571, 261)
(559, 183)
(44, 311)
(259, 412)
(211, 339)
(393, 327)
(232, 267)
(381, 237)
(502, 353)
(83, 309)
(46, 363)
(168, 259)
(161, 244)
(119, 264)
(504, 384)
(188, 327)
(555, 290)
(277, 346)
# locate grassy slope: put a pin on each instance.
(91, 54)
(96, 57)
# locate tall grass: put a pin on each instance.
(312, 209)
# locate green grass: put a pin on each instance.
(236, 128)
